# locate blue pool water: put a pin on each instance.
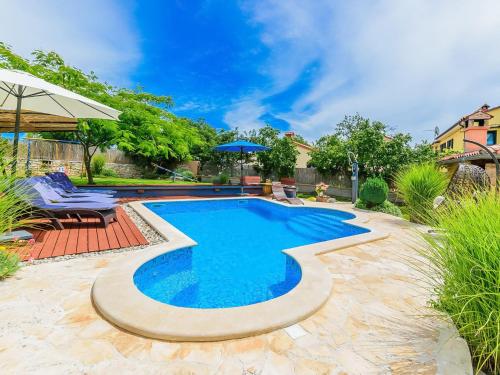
(239, 259)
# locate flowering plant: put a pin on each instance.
(321, 188)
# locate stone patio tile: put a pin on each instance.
(375, 322)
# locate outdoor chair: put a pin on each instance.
(50, 195)
(280, 195)
(67, 185)
(89, 196)
(105, 211)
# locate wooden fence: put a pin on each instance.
(45, 149)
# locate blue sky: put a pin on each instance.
(297, 65)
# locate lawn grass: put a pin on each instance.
(131, 181)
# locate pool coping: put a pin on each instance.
(116, 297)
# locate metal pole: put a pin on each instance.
(495, 160)
(28, 160)
(241, 169)
(355, 182)
(15, 145)
(354, 176)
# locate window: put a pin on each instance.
(491, 138)
(449, 144)
(480, 122)
(442, 146)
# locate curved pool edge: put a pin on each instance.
(117, 298)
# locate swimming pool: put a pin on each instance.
(238, 260)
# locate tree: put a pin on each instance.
(50, 66)
(377, 154)
(424, 153)
(329, 154)
(280, 159)
(146, 129)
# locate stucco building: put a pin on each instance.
(482, 126)
(303, 157)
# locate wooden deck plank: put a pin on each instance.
(92, 239)
(120, 234)
(60, 245)
(102, 238)
(83, 235)
(77, 238)
(133, 230)
(72, 242)
(112, 239)
(49, 243)
(128, 235)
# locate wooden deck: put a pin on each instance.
(86, 237)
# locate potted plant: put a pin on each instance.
(321, 189)
(267, 187)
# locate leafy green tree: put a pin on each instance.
(424, 153)
(330, 154)
(280, 159)
(146, 130)
(93, 134)
(377, 154)
(204, 151)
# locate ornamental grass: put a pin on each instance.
(418, 185)
(465, 272)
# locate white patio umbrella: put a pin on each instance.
(22, 91)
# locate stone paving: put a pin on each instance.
(375, 322)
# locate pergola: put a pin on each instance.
(34, 122)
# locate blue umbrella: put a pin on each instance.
(241, 147)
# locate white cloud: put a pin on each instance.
(245, 114)
(412, 64)
(92, 35)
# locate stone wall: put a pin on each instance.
(76, 168)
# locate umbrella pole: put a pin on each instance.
(241, 169)
(15, 145)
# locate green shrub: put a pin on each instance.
(465, 273)
(9, 263)
(388, 208)
(108, 172)
(98, 163)
(385, 207)
(374, 191)
(221, 179)
(185, 173)
(418, 185)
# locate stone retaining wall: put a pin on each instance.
(76, 168)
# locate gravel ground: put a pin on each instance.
(149, 233)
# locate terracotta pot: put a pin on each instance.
(323, 199)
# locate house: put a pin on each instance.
(303, 157)
(482, 126)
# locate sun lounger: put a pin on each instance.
(280, 195)
(89, 196)
(51, 196)
(67, 185)
(104, 211)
